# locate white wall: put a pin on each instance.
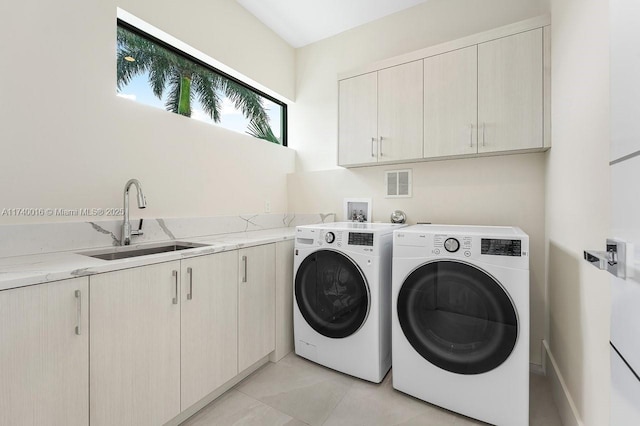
(314, 117)
(577, 215)
(68, 141)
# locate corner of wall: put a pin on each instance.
(564, 402)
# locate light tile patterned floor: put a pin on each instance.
(296, 392)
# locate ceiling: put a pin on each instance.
(301, 22)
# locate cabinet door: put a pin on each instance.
(510, 93)
(400, 112)
(135, 346)
(44, 359)
(451, 103)
(256, 304)
(209, 324)
(357, 134)
(284, 300)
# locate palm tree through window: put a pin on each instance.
(152, 73)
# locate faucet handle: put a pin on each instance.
(139, 230)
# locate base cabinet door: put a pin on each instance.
(209, 345)
(135, 346)
(44, 354)
(256, 304)
(510, 93)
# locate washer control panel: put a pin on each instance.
(451, 245)
(360, 239)
(361, 242)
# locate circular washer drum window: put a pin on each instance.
(457, 317)
(332, 294)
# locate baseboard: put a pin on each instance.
(180, 418)
(566, 407)
(536, 369)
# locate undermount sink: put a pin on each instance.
(123, 252)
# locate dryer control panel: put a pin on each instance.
(502, 248)
(443, 243)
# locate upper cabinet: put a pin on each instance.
(450, 103)
(358, 120)
(510, 93)
(381, 116)
(400, 103)
(482, 95)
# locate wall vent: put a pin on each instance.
(398, 183)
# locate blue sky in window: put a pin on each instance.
(138, 90)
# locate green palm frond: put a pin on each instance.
(131, 45)
(173, 96)
(204, 84)
(246, 101)
(262, 131)
(159, 72)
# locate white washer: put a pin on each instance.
(342, 296)
(460, 319)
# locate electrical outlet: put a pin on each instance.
(267, 206)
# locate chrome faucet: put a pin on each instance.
(127, 233)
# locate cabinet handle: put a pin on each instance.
(470, 135)
(483, 126)
(373, 141)
(79, 310)
(175, 277)
(244, 276)
(190, 294)
(381, 138)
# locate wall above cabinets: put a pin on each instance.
(486, 94)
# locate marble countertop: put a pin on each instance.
(20, 271)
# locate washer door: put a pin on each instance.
(332, 293)
(457, 317)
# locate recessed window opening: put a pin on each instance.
(155, 73)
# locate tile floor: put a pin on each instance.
(296, 392)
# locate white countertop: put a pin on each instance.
(20, 271)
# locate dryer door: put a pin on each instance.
(457, 317)
(332, 293)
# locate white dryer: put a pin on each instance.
(342, 296)
(460, 319)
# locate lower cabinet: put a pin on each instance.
(209, 326)
(284, 300)
(135, 346)
(44, 361)
(256, 304)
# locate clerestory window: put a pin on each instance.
(155, 73)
